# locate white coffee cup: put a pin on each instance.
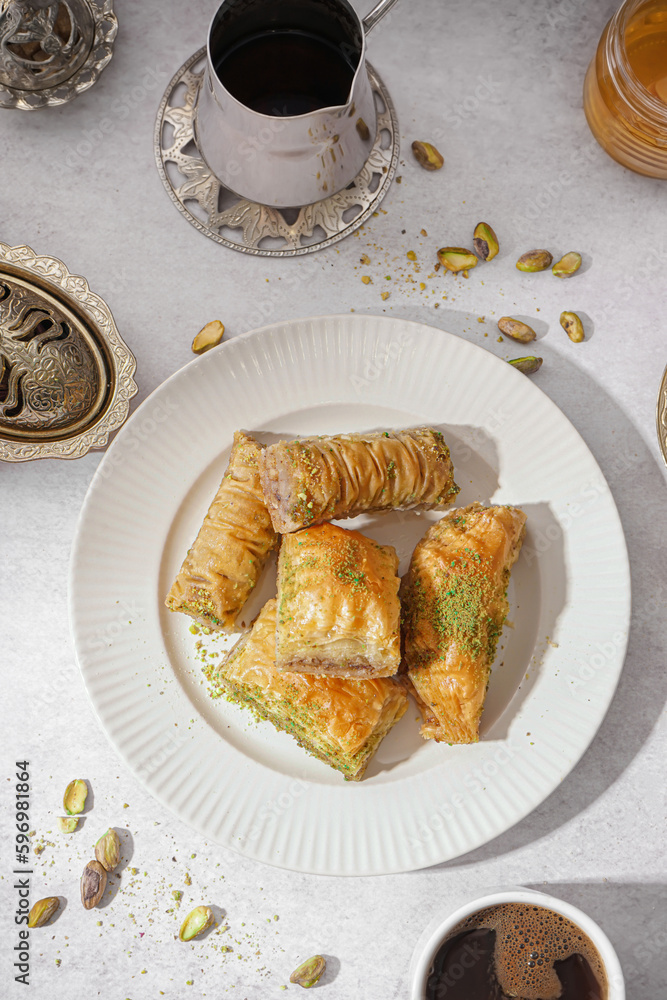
(436, 933)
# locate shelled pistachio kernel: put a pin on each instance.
(74, 799)
(427, 156)
(308, 973)
(515, 329)
(534, 260)
(567, 265)
(209, 336)
(485, 241)
(196, 922)
(68, 824)
(573, 326)
(107, 850)
(93, 884)
(42, 911)
(526, 365)
(457, 259)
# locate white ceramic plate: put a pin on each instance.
(242, 783)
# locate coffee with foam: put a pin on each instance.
(519, 951)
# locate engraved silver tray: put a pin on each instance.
(661, 416)
(65, 371)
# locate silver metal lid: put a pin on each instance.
(52, 50)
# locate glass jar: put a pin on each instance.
(625, 92)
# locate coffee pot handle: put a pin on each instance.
(378, 12)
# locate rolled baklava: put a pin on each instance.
(318, 479)
(227, 556)
(342, 722)
(338, 606)
(454, 601)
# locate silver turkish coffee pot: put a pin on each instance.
(285, 115)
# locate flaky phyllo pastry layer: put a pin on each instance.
(338, 606)
(227, 556)
(318, 479)
(454, 605)
(340, 721)
(332, 659)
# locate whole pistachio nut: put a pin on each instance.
(42, 911)
(75, 797)
(527, 365)
(573, 326)
(93, 884)
(107, 850)
(209, 336)
(515, 329)
(68, 824)
(309, 972)
(196, 922)
(427, 156)
(534, 260)
(485, 241)
(457, 259)
(567, 265)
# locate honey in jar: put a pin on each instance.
(625, 93)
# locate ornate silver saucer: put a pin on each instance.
(65, 371)
(244, 225)
(661, 416)
(52, 50)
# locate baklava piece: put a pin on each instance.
(454, 605)
(318, 479)
(338, 606)
(342, 722)
(227, 556)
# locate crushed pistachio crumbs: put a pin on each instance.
(455, 602)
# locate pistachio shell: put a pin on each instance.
(107, 850)
(68, 824)
(74, 799)
(93, 884)
(485, 241)
(309, 972)
(457, 259)
(534, 260)
(196, 922)
(527, 365)
(427, 156)
(42, 911)
(209, 336)
(567, 265)
(515, 329)
(573, 326)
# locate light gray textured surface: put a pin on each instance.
(498, 87)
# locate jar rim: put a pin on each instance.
(640, 99)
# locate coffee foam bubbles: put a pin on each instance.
(529, 939)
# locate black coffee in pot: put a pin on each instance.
(286, 72)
